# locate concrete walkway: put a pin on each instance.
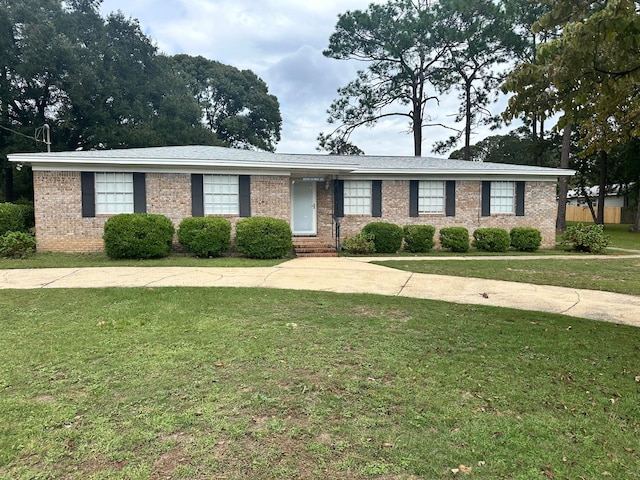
(347, 275)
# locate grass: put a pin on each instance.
(188, 383)
(611, 274)
(621, 237)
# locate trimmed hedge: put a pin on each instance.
(205, 236)
(387, 237)
(359, 244)
(586, 238)
(15, 218)
(263, 237)
(491, 239)
(418, 238)
(525, 239)
(138, 235)
(455, 239)
(17, 245)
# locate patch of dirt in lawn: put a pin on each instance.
(167, 463)
(45, 399)
(364, 311)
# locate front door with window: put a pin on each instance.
(303, 208)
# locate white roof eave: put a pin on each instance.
(468, 172)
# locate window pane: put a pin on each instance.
(221, 195)
(114, 193)
(357, 197)
(431, 196)
(502, 197)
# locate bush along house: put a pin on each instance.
(324, 197)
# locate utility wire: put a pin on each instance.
(21, 134)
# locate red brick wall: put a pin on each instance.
(540, 210)
(61, 228)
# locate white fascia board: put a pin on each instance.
(464, 174)
(75, 163)
(253, 169)
(443, 176)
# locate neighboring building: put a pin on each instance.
(322, 196)
(615, 196)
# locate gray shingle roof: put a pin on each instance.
(208, 156)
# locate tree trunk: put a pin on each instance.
(602, 187)
(636, 223)
(417, 131)
(563, 185)
(8, 187)
(467, 127)
(587, 199)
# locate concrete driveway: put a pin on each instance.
(344, 275)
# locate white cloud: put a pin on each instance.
(282, 42)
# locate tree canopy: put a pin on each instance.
(236, 104)
(414, 51)
(402, 45)
(591, 72)
(100, 83)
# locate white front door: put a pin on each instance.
(303, 207)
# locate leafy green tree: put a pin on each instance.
(122, 93)
(337, 145)
(34, 53)
(100, 83)
(236, 104)
(590, 73)
(480, 40)
(402, 44)
(517, 147)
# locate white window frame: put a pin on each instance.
(113, 193)
(357, 197)
(221, 194)
(503, 197)
(431, 196)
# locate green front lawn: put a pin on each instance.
(619, 275)
(189, 383)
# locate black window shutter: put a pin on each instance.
(520, 199)
(338, 198)
(376, 198)
(413, 198)
(139, 193)
(197, 195)
(88, 189)
(486, 199)
(244, 186)
(450, 198)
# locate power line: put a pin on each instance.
(21, 134)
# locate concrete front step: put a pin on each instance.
(314, 247)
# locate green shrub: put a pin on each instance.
(418, 238)
(359, 244)
(17, 244)
(525, 239)
(205, 236)
(586, 238)
(138, 235)
(15, 218)
(455, 239)
(387, 237)
(263, 237)
(491, 239)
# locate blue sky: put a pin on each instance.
(282, 42)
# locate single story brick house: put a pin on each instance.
(323, 196)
